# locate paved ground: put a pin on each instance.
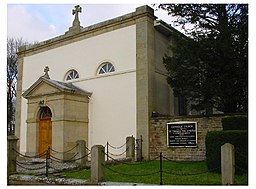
(18, 179)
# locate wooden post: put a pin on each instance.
(97, 164)
(81, 152)
(227, 164)
(130, 147)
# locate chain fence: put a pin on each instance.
(45, 162)
(108, 146)
(161, 158)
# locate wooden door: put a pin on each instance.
(45, 135)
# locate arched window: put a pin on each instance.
(72, 74)
(106, 68)
(45, 113)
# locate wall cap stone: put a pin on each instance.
(166, 117)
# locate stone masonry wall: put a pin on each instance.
(158, 137)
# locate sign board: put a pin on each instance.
(182, 134)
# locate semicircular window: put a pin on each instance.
(106, 68)
(72, 74)
(45, 113)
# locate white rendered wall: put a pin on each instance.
(112, 114)
(112, 109)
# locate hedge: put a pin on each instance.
(235, 123)
(215, 139)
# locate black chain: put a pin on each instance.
(87, 155)
(29, 168)
(193, 174)
(119, 154)
(180, 162)
(116, 147)
(135, 175)
(64, 151)
(69, 160)
(61, 160)
(31, 163)
(144, 162)
(35, 156)
(87, 149)
(59, 170)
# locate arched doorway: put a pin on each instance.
(45, 129)
(57, 127)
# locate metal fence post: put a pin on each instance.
(139, 149)
(107, 150)
(227, 164)
(161, 169)
(47, 161)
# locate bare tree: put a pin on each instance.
(13, 45)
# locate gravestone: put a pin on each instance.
(227, 164)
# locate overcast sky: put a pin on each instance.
(37, 22)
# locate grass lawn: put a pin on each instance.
(186, 173)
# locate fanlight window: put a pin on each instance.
(45, 113)
(72, 74)
(106, 68)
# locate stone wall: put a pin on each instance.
(158, 137)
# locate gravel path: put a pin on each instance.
(36, 180)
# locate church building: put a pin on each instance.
(98, 83)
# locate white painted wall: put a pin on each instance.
(113, 103)
(112, 108)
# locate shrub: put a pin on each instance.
(215, 139)
(235, 123)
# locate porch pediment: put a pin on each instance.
(67, 121)
(46, 86)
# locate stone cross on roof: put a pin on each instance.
(75, 12)
(76, 23)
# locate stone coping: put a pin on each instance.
(196, 116)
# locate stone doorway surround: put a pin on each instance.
(69, 108)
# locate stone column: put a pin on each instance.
(145, 73)
(227, 164)
(130, 147)
(21, 55)
(81, 152)
(11, 154)
(97, 164)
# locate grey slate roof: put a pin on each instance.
(62, 86)
(66, 86)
